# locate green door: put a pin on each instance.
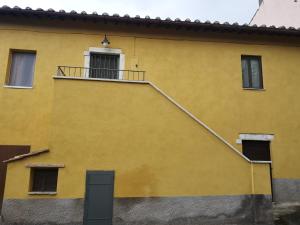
(98, 204)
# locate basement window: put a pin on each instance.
(21, 69)
(44, 180)
(257, 150)
(252, 72)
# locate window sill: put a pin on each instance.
(254, 89)
(40, 165)
(101, 79)
(42, 193)
(17, 87)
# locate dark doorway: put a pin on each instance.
(98, 205)
(257, 150)
(7, 152)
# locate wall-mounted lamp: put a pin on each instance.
(105, 42)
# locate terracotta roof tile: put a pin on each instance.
(116, 18)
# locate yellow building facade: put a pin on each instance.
(167, 131)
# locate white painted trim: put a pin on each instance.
(239, 141)
(42, 165)
(42, 193)
(256, 137)
(121, 66)
(111, 51)
(261, 162)
(102, 79)
(17, 87)
(254, 89)
(86, 55)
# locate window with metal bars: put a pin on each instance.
(104, 66)
(252, 72)
(44, 179)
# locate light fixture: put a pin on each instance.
(105, 42)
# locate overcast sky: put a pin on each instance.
(240, 11)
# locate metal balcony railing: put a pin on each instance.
(100, 73)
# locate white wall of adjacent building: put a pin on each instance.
(278, 13)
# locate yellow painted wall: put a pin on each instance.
(155, 149)
(201, 73)
(261, 179)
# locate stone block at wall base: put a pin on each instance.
(286, 190)
(245, 209)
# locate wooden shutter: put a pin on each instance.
(44, 179)
(7, 152)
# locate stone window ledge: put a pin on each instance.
(42, 193)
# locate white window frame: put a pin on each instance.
(9, 74)
(255, 137)
(110, 51)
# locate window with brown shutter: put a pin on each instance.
(44, 179)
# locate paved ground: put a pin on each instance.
(286, 214)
